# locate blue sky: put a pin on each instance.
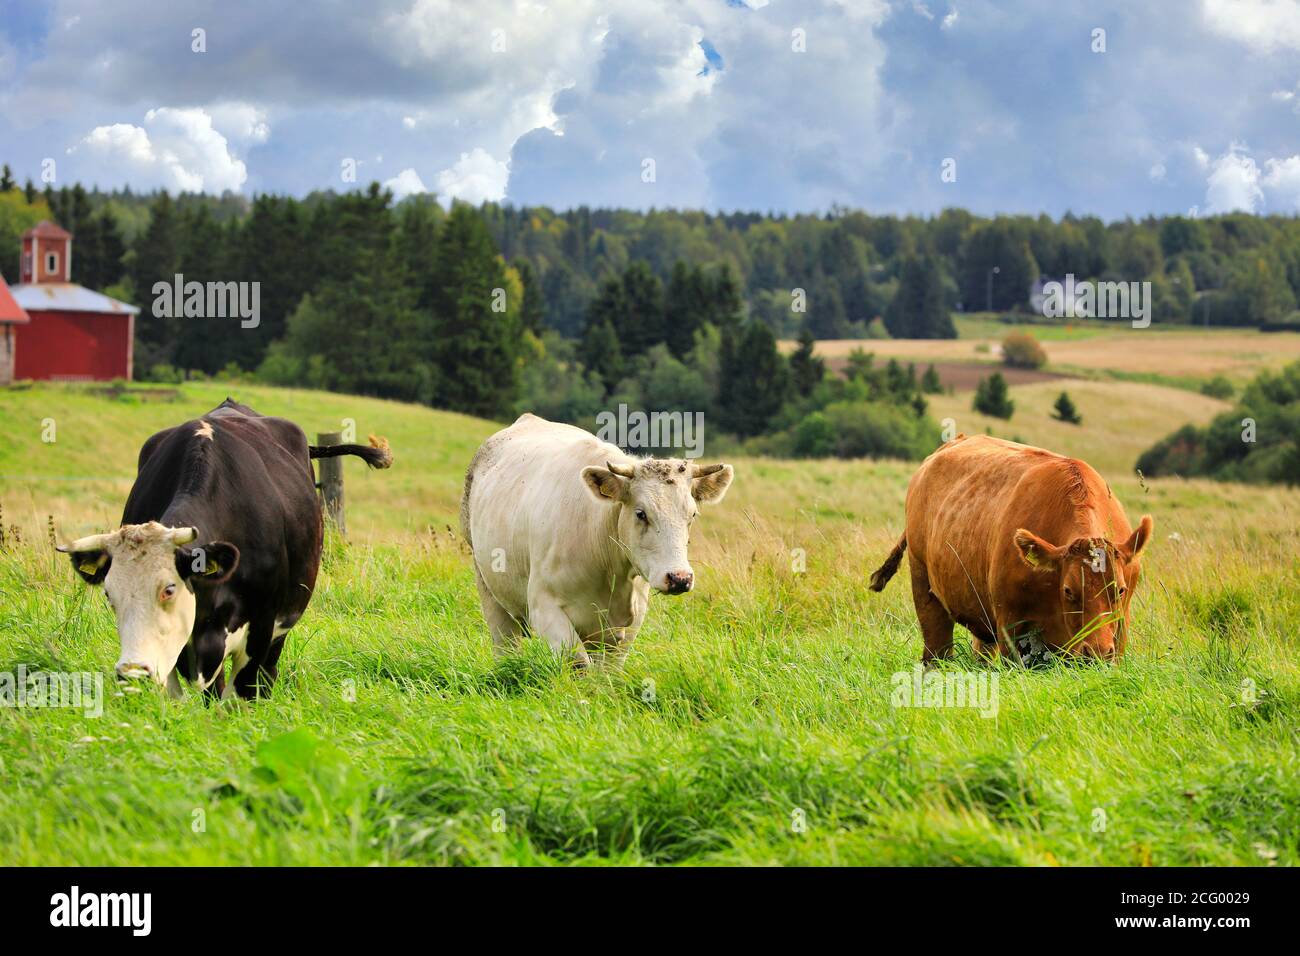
(1111, 108)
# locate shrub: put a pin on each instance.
(1257, 441)
(1064, 410)
(991, 397)
(1218, 387)
(864, 430)
(1021, 350)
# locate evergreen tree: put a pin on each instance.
(918, 309)
(826, 316)
(99, 251)
(7, 179)
(156, 260)
(806, 370)
(641, 324)
(997, 244)
(991, 397)
(476, 348)
(755, 380)
(930, 382)
(1065, 410)
(688, 306)
(726, 308)
(356, 336)
(533, 311)
(601, 353)
(415, 246)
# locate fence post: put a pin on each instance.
(331, 481)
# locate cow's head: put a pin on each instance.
(1091, 581)
(657, 499)
(149, 573)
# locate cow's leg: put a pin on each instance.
(547, 620)
(253, 679)
(620, 638)
(936, 622)
(505, 630)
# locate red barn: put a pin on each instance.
(11, 315)
(72, 333)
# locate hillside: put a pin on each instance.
(761, 698)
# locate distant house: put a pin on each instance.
(1039, 295)
(71, 333)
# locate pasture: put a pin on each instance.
(753, 723)
(1183, 356)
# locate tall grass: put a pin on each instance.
(752, 723)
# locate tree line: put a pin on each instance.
(496, 309)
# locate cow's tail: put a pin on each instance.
(377, 454)
(890, 567)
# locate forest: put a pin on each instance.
(495, 309)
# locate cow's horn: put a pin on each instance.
(92, 542)
(181, 536)
(699, 471)
(623, 471)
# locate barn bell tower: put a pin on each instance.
(46, 255)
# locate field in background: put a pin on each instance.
(1179, 356)
(752, 724)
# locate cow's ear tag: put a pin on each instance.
(89, 566)
(212, 568)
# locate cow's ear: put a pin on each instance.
(1034, 551)
(91, 565)
(709, 488)
(603, 483)
(208, 564)
(1138, 539)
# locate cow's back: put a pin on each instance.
(244, 478)
(524, 503)
(966, 501)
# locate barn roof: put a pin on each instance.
(47, 230)
(10, 310)
(68, 297)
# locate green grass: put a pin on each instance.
(761, 700)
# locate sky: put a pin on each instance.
(1110, 107)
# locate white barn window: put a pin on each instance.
(52, 263)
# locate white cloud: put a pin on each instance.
(406, 183)
(1157, 173)
(1263, 25)
(950, 20)
(408, 122)
(240, 121)
(1233, 185)
(1282, 180)
(475, 177)
(176, 148)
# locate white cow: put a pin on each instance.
(569, 534)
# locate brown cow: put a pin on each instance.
(1017, 544)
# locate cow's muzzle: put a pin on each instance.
(131, 671)
(678, 582)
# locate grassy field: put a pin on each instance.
(1181, 356)
(752, 724)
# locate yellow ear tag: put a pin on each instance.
(88, 567)
(212, 568)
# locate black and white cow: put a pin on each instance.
(218, 550)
